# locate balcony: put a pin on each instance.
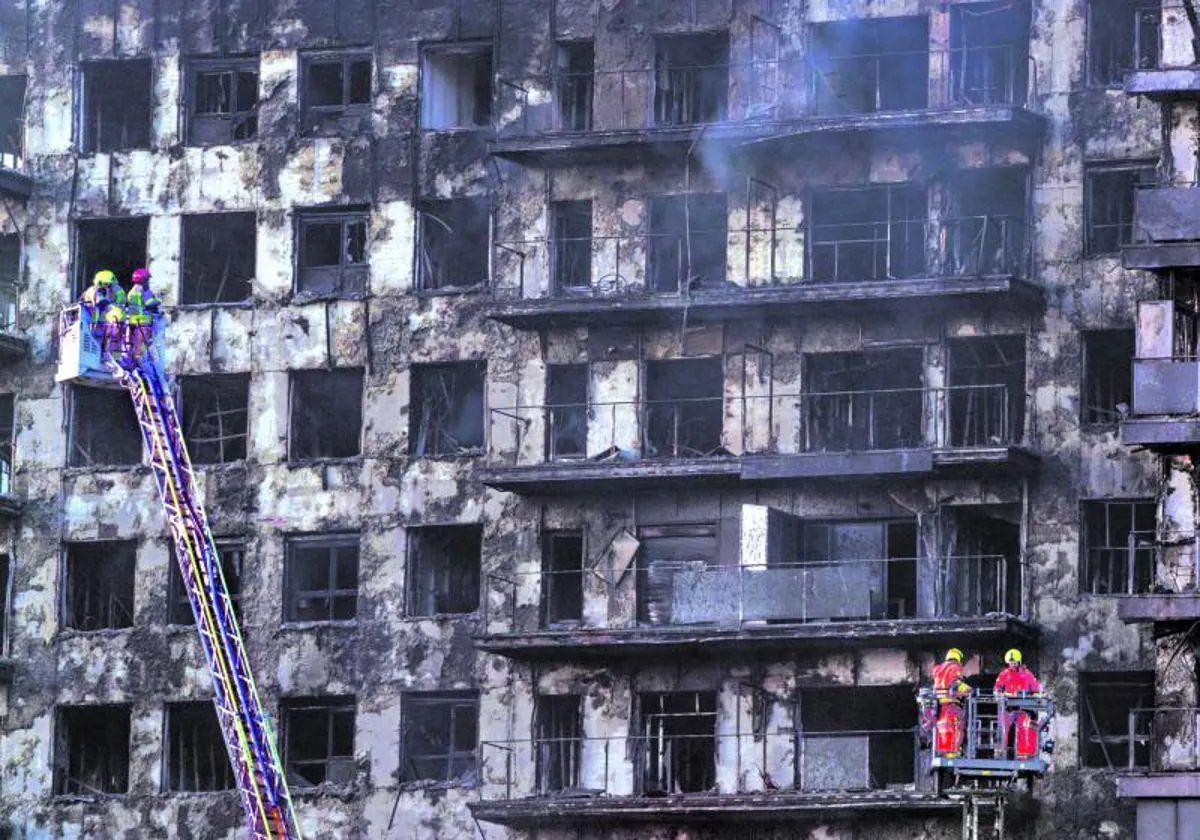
(1165, 414)
(625, 113)
(1163, 757)
(600, 280)
(671, 607)
(722, 776)
(756, 437)
(1166, 222)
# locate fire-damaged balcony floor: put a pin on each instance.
(581, 643)
(768, 806)
(785, 300)
(581, 475)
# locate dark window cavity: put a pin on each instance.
(864, 400)
(679, 745)
(321, 578)
(1106, 699)
(218, 257)
(326, 414)
(7, 431)
(1109, 205)
(91, 750)
(103, 429)
(440, 730)
(336, 90)
(989, 46)
(318, 740)
(987, 391)
(456, 86)
(224, 101)
(865, 66)
(444, 565)
(118, 245)
(445, 413)
(453, 239)
(1122, 36)
(214, 410)
(232, 553)
(115, 106)
(688, 236)
(571, 244)
(691, 78)
(1118, 543)
(99, 585)
(1107, 375)
(983, 234)
(332, 253)
(558, 720)
(5, 598)
(858, 738)
(10, 280)
(12, 121)
(562, 578)
(665, 550)
(872, 233)
(567, 411)
(574, 69)
(196, 757)
(684, 408)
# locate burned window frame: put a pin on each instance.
(465, 757)
(94, 227)
(8, 447)
(10, 282)
(669, 216)
(351, 279)
(217, 384)
(473, 48)
(567, 422)
(431, 225)
(231, 552)
(685, 104)
(900, 259)
(1145, 54)
(418, 374)
(1138, 681)
(655, 763)
(571, 248)
(331, 545)
(1139, 172)
(296, 383)
(574, 89)
(12, 147)
(66, 749)
(332, 705)
(1108, 372)
(324, 119)
(223, 122)
(453, 575)
(6, 596)
(80, 458)
(215, 764)
(558, 741)
(1140, 554)
(73, 612)
(560, 584)
(245, 247)
(89, 144)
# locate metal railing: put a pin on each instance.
(711, 764)
(966, 416)
(819, 84)
(1123, 570)
(691, 593)
(1159, 739)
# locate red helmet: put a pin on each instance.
(141, 275)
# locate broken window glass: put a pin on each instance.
(872, 233)
(1107, 375)
(104, 430)
(12, 121)
(454, 237)
(684, 408)
(456, 86)
(687, 239)
(574, 79)
(440, 732)
(1122, 36)
(215, 416)
(678, 743)
(326, 414)
(318, 740)
(987, 391)
(218, 257)
(91, 750)
(333, 254)
(224, 101)
(571, 232)
(665, 551)
(196, 757)
(232, 553)
(691, 78)
(562, 578)
(1109, 205)
(99, 585)
(116, 105)
(10, 280)
(446, 409)
(444, 568)
(559, 726)
(1118, 542)
(1106, 699)
(321, 578)
(337, 87)
(857, 737)
(865, 66)
(566, 399)
(864, 401)
(118, 245)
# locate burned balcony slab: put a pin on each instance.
(622, 145)
(579, 475)
(767, 806)
(766, 302)
(1165, 83)
(1167, 223)
(1182, 785)
(15, 183)
(1139, 609)
(1161, 433)
(650, 642)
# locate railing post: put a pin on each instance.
(1132, 751)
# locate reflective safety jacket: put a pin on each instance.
(948, 680)
(1017, 678)
(142, 304)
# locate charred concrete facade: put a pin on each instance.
(610, 409)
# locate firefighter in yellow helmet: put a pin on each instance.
(105, 299)
(1013, 681)
(949, 689)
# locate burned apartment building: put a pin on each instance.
(609, 409)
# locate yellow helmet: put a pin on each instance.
(104, 277)
(1012, 657)
(955, 654)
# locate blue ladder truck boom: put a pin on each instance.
(112, 355)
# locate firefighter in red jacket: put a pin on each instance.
(949, 688)
(1016, 680)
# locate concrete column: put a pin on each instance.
(1173, 732)
(1176, 564)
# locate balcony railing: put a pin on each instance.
(967, 416)
(817, 85)
(712, 764)
(1123, 570)
(1159, 740)
(695, 593)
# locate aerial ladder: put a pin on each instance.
(980, 746)
(99, 354)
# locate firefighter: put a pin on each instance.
(949, 689)
(98, 296)
(142, 306)
(1017, 680)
